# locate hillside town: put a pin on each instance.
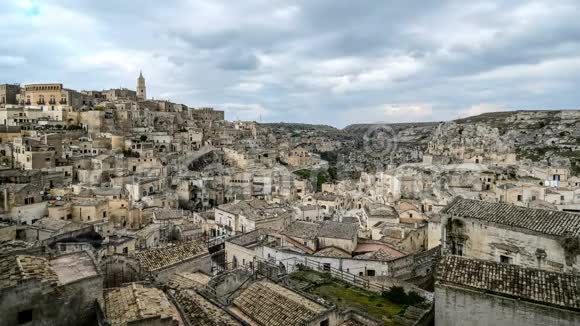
(120, 209)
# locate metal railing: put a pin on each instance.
(293, 264)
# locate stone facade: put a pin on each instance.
(8, 93)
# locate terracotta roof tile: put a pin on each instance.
(268, 303)
(200, 311)
(136, 302)
(535, 285)
(155, 259)
(18, 269)
(544, 221)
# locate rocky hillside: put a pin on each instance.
(546, 137)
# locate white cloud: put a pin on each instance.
(378, 74)
(555, 68)
(10, 61)
(244, 112)
(480, 109)
(388, 113)
(248, 87)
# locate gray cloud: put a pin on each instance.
(309, 61)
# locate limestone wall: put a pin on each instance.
(459, 307)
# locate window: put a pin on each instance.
(505, 259)
(533, 197)
(25, 316)
(104, 214)
(125, 250)
(519, 197)
(370, 272)
(561, 197)
(326, 267)
(457, 248)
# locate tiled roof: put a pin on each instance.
(377, 255)
(187, 280)
(337, 230)
(548, 222)
(322, 196)
(251, 237)
(332, 252)
(18, 269)
(257, 209)
(200, 311)
(378, 210)
(156, 259)
(53, 224)
(326, 229)
(136, 302)
(168, 214)
(15, 187)
(268, 303)
(302, 229)
(551, 288)
(73, 267)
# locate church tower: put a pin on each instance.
(141, 89)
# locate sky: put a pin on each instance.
(334, 62)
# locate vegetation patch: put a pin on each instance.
(347, 296)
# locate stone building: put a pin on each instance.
(115, 94)
(141, 88)
(198, 310)
(161, 263)
(245, 216)
(52, 94)
(268, 303)
(8, 93)
(136, 304)
(206, 114)
(32, 153)
(60, 291)
(89, 210)
(22, 202)
(478, 292)
(528, 237)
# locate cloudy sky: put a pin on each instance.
(326, 61)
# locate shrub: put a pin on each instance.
(414, 298)
(397, 294)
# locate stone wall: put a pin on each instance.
(72, 304)
(459, 307)
(489, 241)
(198, 264)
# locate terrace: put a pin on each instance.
(347, 296)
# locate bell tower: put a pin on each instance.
(141, 89)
